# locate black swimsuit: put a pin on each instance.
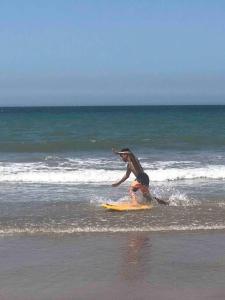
(143, 179)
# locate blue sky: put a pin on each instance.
(72, 52)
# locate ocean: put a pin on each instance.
(57, 168)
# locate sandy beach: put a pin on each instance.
(113, 266)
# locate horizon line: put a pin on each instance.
(107, 105)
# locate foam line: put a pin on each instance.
(73, 230)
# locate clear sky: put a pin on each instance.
(87, 52)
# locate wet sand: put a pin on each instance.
(187, 265)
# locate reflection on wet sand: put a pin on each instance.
(134, 266)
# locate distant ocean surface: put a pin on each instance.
(57, 167)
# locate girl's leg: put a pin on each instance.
(132, 192)
(133, 197)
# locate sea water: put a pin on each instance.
(57, 167)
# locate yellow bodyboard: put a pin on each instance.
(124, 206)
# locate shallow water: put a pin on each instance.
(56, 167)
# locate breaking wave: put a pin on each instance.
(96, 172)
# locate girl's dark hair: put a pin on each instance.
(125, 149)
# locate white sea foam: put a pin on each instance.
(82, 176)
(97, 229)
(168, 164)
(171, 174)
(180, 199)
(94, 173)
